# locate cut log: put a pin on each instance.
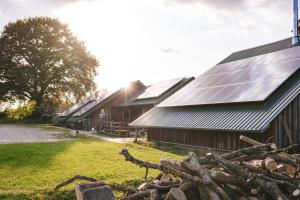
(90, 191)
(212, 194)
(166, 177)
(254, 142)
(250, 141)
(268, 163)
(153, 194)
(222, 177)
(204, 174)
(270, 188)
(176, 194)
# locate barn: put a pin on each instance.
(150, 97)
(87, 116)
(253, 92)
(121, 106)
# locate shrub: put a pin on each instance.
(22, 112)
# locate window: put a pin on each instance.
(126, 115)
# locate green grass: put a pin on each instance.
(35, 168)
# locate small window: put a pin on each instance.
(126, 115)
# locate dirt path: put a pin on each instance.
(11, 133)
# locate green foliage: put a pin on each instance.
(41, 60)
(22, 112)
(41, 166)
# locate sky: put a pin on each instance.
(154, 40)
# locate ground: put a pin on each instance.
(31, 170)
(17, 133)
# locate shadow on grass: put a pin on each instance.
(44, 195)
(31, 154)
(162, 147)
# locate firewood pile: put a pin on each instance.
(258, 172)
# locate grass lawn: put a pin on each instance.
(30, 171)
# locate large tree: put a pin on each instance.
(40, 59)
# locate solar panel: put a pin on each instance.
(158, 88)
(74, 108)
(247, 80)
(101, 96)
(85, 102)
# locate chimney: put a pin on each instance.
(295, 30)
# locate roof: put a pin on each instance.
(102, 95)
(79, 105)
(252, 117)
(157, 89)
(248, 80)
(259, 50)
(163, 88)
(100, 102)
(239, 116)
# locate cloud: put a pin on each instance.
(234, 4)
(169, 50)
(11, 10)
(222, 4)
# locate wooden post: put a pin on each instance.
(136, 134)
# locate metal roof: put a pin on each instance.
(259, 50)
(252, 117)
(98, 104)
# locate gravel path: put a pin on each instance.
(11, 133)
(104, 137)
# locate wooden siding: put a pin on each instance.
(288, 121)
(112, 111)
(135, 112)
(208, 139)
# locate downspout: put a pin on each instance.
(295, 29)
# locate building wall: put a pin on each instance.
(288, 121)
(134, 112)
(208, 139)
(111, 110)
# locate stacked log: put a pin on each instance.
(259, 172)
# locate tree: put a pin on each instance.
(40, 60)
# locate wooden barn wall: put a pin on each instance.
(111, 110)
(208, 139)
(283, 130)
(286, 126)
(135, 112)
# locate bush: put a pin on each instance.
(22, 112)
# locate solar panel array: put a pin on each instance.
(101, 96)
(75, 107)
(158, 88)
(247, 80)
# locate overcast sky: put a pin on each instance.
(153, 40)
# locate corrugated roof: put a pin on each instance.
(259, 50)
(254, 117)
